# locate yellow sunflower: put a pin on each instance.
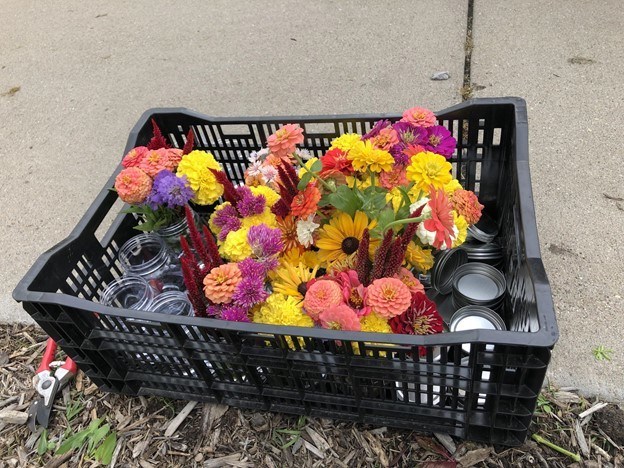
(340, 238)
(291, 280)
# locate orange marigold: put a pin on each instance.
(305, 203)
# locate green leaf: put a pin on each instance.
(344, 199)
(386, 216)
(42, 446)
(73, 409)
(73, 442)
(104, 453)
(97, 436)
(305, 180)
(317, 166)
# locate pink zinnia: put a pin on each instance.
(409, 280)
(174, 156)
(441, 222)
(320, 296)
(385, 139)
(221, 282)
(340, 317)
(388, 297)
(413, 150)
(353, 292)
(419, 117)
(133, 185)
(283, 142)
(394, 178)
(155, 161)
(134, 157)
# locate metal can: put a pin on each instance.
(446, 263)
(485, 230)
(474, 317)
(478, 284)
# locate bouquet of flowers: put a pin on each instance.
(336, 242)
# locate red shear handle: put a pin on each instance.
(70, 365)
(48, 356)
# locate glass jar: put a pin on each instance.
(172, 303)
(128, 292)
(171, 235)
(149, 257)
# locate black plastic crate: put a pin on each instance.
(490, 396)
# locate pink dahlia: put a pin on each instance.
(320, 296)
(419, 117)
(283, 142)
(133, 185)
(340, 317)
(134, 157)
(155, 161)
(466, 204)
(388, 297)
(409, 280)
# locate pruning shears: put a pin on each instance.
(48, 383)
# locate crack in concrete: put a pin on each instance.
(466, 90)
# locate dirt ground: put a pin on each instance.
(147, 433)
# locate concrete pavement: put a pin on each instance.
(86, 72)
(567, 59)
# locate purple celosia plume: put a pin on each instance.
(169, 190)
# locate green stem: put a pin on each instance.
(574, 456)
(400, 222)
(316, 176)
(372, 178)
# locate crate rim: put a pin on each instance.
(546, 336)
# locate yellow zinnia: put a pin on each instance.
(196, 167)
(291, 280)
(462, 229)
(345, 142)
(282, 310)
(266, 217)
(419, 258)
(375, 323)
(395, 197)
(429, 169)
(452, 186)
(340, 238)
(364, 156)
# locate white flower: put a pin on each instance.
(304, 154)
(269, 173)
(305, 230)
(418, 203)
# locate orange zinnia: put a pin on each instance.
(288, 226)
(305, 203)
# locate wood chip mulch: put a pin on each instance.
(155, 432)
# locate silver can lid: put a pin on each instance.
(446, 263)
(479, 284)
(474, 317)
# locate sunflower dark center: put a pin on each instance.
(303, 288)
(350, 245)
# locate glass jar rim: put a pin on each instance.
(150, 265)
(116, 287)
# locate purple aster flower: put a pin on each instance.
(227, 220)
(440, 141)
(265, 241)
(169, 190)
(234, 314)
(249, 292)
(249, 204)
(379, 126)
(400, 158)
(251, 268)
(409, 134)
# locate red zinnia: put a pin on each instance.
(421, 318)
(441, 221)
(335, 162)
